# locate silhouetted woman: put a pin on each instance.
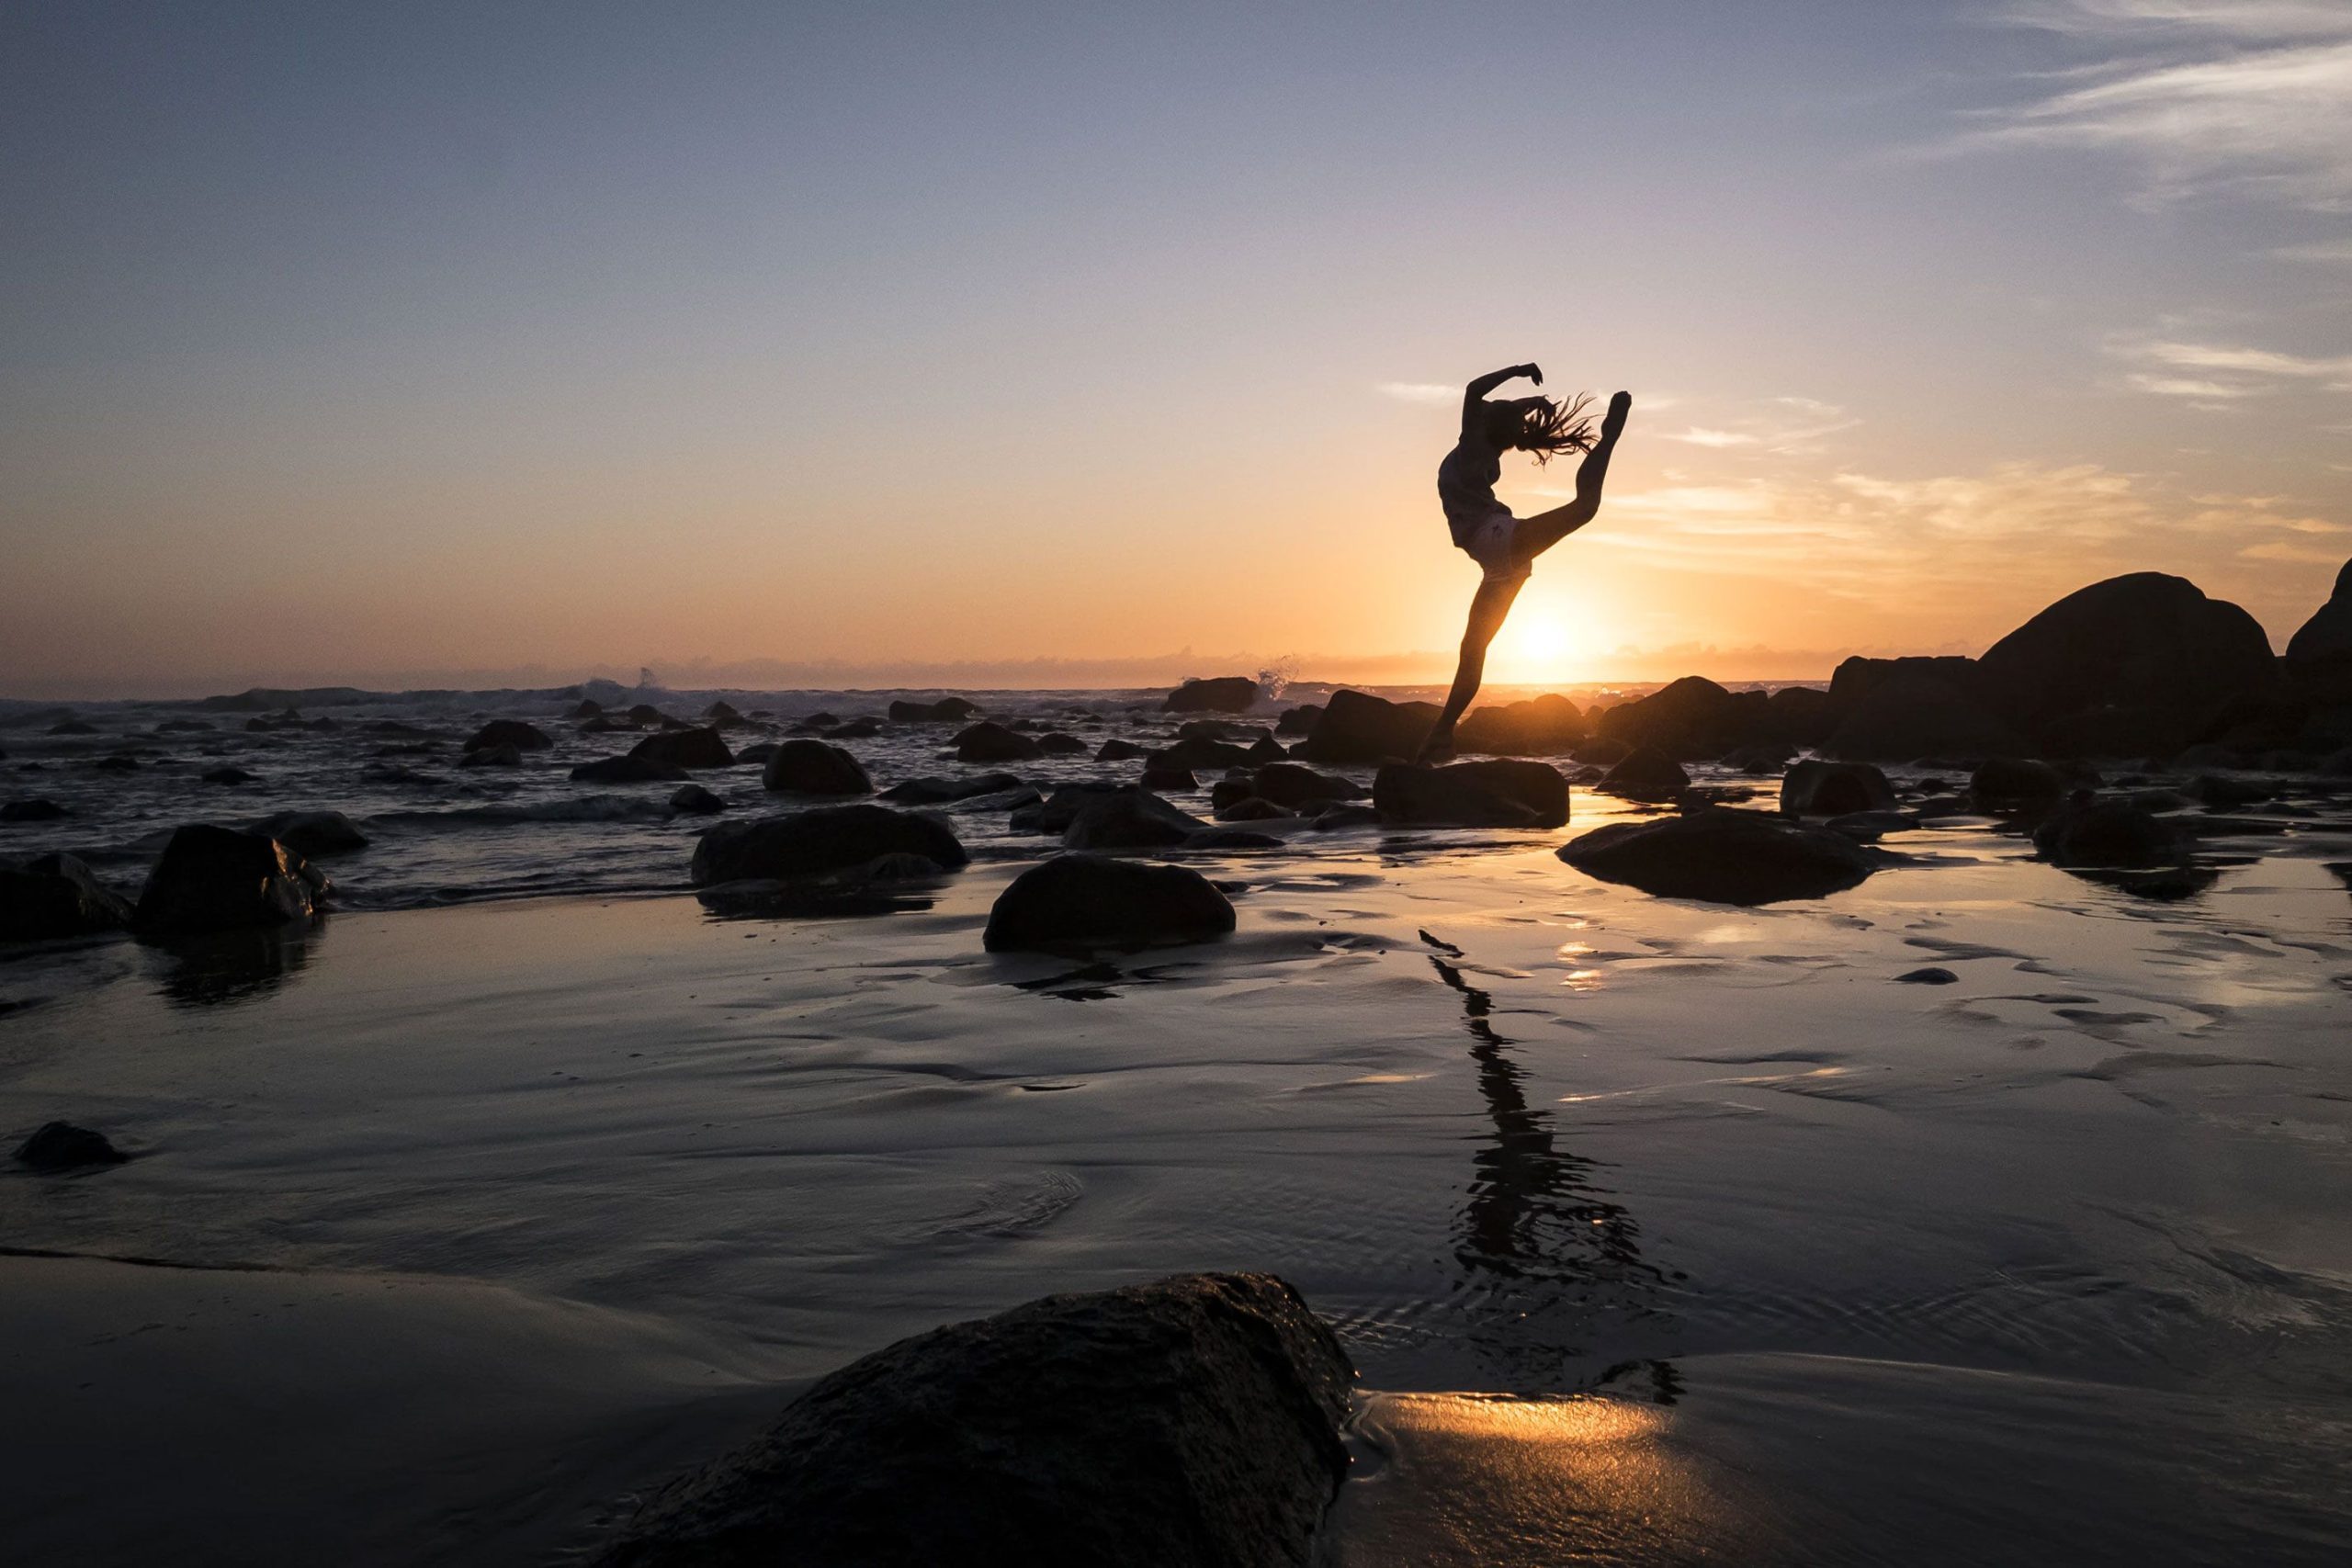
(1504, 546)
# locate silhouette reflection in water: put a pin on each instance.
(1550, 1269)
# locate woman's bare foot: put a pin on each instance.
(1437, 748)
(1613, 423)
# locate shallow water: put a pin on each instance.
(2057, 1253)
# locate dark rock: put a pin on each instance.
(1851, 684)
(1266, 749)
(722, 714)
(1117, 751)
(1602, 753)
(227, 776)
(1864, 827)
(1544, 726)
(1200, 752)
(1759, 758)
(811, 767)
(1346, 814)
(1129, 818)
(311, 833)
(587, 707)
(756, 754)
(501, 756)
(2222, 793)
(2108, 831)
(1252, 809)
(685, 749)
(56, 895)
(1497, 793)
(937, 790)
(1644, 776)
(1908, 716)
(2137, 663)
(2012, 784)
(1232, 839)
(646, 713)
(696, 801)
(61, 1146)
(2328, 634)
(1722, 857)
(1299, 720)
(1687, 719)
(1799, 716)
(213, 879)
(632, 769)
(826, 840)
(1192, 1423)
(1296, 784)
(987, 741)
(509, 732)
(947, 710)
(1218, 729)
(604, 727)
(1077, 901)
(1834, 789)
(73, 726)
(1160, 776)
(1226, 694)
(1357, 728)
(1054, 743)
(1929, 976)
(1059, 810)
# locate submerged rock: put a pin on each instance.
(311, 833)
(1080, 901)
(227, 775)
(1190, 1423)
(509, 732)
(1225, 693)
(1199, 751)
(500, 756)
(213, 879)
(2108, 831)
(1253, 808)
(1498, 793)
(685, 749)
(1055, 743)
(632, 769)
(811, 767)
(826, 840)
(1159, 775)
(939, 789)
(1117, 751)
(989, 741)
(1722, 857)
(1357, 728)
(57, 896)
(1834, 789)
(696, 801)
(61, 1146)
(1931, 976)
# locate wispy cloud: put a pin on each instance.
(2336, 252)
(1418, 392)
(2206, 94)
(1784, 426)
(2212, 372)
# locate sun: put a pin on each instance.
(1547, 639)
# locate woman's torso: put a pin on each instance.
(1466, 486)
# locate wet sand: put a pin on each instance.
(1852, 1269)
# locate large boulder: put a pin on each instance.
(1497, 793)
(214, 879)
(989, 741)
(939, 789)
(2328, 634)
(1722, 856)
(509, 732)
(1833, 789)
(632, 769)
(1687, 719)
(1908, 716)
(1190, 1423)
(55, 896)
(1298, 720)
(685, 749)
(1644, 774)
(1800, 715)
(1544, 726)
(1855, 678)
(1225, 693)
(1116, 749)
(947, 710)
(311, 833)
(811, 767)
(1296, 784)
(2111, 831)
(2016, 783)
(1129, 818)
(1201, 752)
(1075, 902)
(1357, 728)
(2133, 666)
(827, 842)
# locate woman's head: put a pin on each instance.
(1540, 425)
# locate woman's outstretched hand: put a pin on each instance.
(1615, 420)
(1533, 373)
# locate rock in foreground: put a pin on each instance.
(811, 767)
(1192, 1423)
(214, 879)
(1502, 792)
(61, 1146)
(1079, 902)
(56, 895)
(1833, 789)
(1722, 857)
(823, 842)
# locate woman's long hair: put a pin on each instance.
(1544, 428)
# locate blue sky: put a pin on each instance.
(421, 342)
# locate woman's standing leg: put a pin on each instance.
(1488, 606)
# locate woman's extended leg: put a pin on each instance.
(1487, 608)
(1539, 533)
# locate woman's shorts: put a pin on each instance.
(1491, 544)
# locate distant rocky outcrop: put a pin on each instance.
(1077, 902)
(1495, 793)
(947, 710)
(685, 749)
(1722, 856)
(812, 767)
(830, 840)
(1225, 693)
(1357, 728)
(1540, 727)
(57, 896)
(213, 879)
